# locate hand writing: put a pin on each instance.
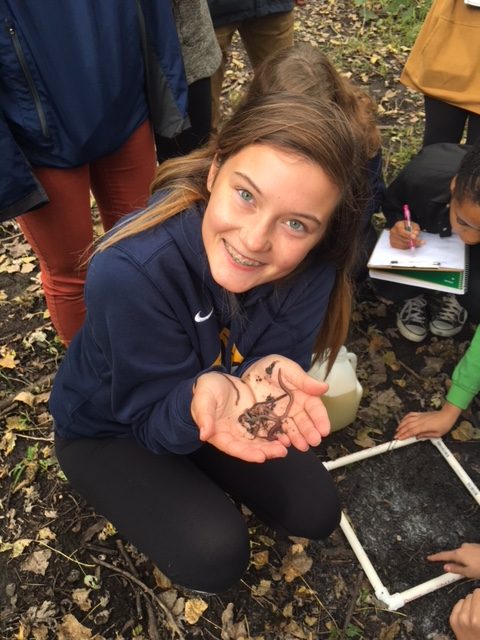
(400, 238)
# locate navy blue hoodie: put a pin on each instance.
(77, 77)
(156, 320)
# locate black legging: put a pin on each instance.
(446, 123)
(176, 510)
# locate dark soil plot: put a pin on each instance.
(403, 505)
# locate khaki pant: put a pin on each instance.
(260, 37)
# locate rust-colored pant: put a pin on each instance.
(61, 232)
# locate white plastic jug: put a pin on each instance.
(345, 391)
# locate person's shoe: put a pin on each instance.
(449, 318)
(412, 319)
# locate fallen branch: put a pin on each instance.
(353, 601)
(127, 574)
(414, 373)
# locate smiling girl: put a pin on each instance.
(186, 386)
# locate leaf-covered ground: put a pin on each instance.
(65, 574)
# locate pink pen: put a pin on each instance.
(408, 223)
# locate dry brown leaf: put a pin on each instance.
(81, 599)
(7, 443)
(16, 547)
(389, 633)
(37, 562)
(465, 431)
(16, 423)
(71, 629)
(232, 630)
(296, 563)
(7, 358)
(296, 631)
(26, 397)
(390, 360)
(260, 559)
(46, 534)
(40, 633)
(262, 589)
(161, 579)
(194, 609)
(363, 438)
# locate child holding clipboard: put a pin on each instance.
(441, 186)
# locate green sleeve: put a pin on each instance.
(466, 376)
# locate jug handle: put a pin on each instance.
(352, 358)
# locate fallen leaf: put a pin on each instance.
(7, 358)
(293, 629)
(363, 438)
(296, 563)
(465, 431)
(16, 547)
(16, 423)
(71, 629)
(260, 559)
(46, 534)
(390, 632)
(7, 443)
(262, 589)
(194, 609)
(161, 579)
(232, 630)
(37, 562)
(81, 598)
(26, 397)
(40, 633)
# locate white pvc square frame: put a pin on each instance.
(397, 600)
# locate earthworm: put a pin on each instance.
(260, 414)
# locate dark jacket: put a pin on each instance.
(156, 319)
(72, 85)
(230, 11)
(424, 184)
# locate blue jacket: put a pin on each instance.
(74, 81)
(229, 11)
(156, 320)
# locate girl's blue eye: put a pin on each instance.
(296, 225)
(245, 195)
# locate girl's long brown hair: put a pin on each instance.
(304, 69)
(318, 131)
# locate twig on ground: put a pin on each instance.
(127, 574)
(132, 568)
(411, 371)
(44, 381)
(353, 601)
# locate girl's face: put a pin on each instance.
(268, 208)
(465, 220)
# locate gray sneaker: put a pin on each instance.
(449, 318)
(412, 319)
